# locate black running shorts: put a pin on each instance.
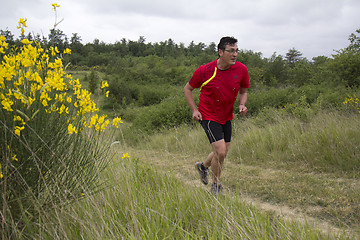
(216, 131)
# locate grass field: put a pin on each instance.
(275, 186)
(307, 170)
(284, 178)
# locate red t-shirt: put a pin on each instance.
(217, 97)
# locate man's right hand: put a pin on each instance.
(197, 115)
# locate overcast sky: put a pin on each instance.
(314, 27)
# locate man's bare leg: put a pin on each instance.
(208, 160)
(214, 162)
(216, 158)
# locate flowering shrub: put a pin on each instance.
(49, 129)
(301, 109)
(353, 102)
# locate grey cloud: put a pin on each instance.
(312, 26)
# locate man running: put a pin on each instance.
(220, 82)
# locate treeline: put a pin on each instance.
(152, 75)
(100, 53)
(169, 62)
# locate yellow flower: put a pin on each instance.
(125, 155)
(18, 95)
(3, 44)
(116, 122)
(14, 158)
(104, 84)
(7, 103)
(53, 53)
(101, 119)
(22, 23)
(67, 51)
(104, 125)
(17, 118)
(18, 130)
(107, 94)
(93, 120)
(71, 129)
(26, 41)
(55, 5)
(1, 175)
(62, 109)
(44, 102)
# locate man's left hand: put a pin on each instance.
(243, 110)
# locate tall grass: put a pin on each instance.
(142, 203)
(311, 164)
(328, 143)
(325, 143)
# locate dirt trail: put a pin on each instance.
(182, 167)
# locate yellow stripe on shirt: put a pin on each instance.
(207, 81)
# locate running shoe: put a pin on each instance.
(216, 189)
(199, 166)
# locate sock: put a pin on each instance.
(203, 167)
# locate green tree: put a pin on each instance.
(354, 39)
(8, 35)
(211, 49)
(275, 70)
(321, 72)
(121, 48)
(58, 38)
(346, 66)
(320, 60)
(251, 58)
(301, 73)
(75, 43)
(347, 61)
(160, 49)
(93, 81)
(76, 47)
(293, 56)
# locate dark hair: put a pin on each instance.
(226, 41)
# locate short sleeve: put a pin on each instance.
(196, 80)
(245, 80)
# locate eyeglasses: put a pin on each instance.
(232, 51)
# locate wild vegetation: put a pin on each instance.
(62, 176)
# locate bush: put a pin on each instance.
(127, 92)
(319, 96)
(151, 94)
(301, 109)
(49, 149)
(171, 112)
(93, 79)
(120, 92)
(301, 73)
(276, 98)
